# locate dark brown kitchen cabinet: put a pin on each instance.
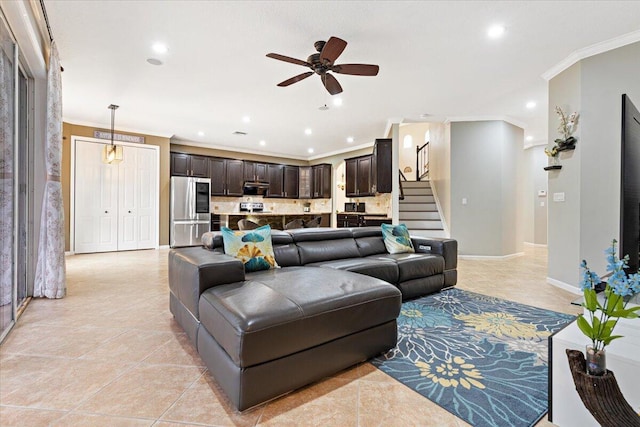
(189, 165)
(226, 176)
(321, 182)
(381, 166)
(275, 178)
(358, 177)
(304, 182)
(254, 171)
(290, 181)
(347, 220)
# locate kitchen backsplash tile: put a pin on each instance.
(279, 206)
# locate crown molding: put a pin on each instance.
(592, 50)
(102, 126)
(236, 149)
(507, 119)
(341, 151)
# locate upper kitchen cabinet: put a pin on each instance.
(290, 181)
(358, 177)
(275, 178)
(381, 166)
(321, 181)
(254, 171)
(189, 165)
(305, 182)
(226, 176)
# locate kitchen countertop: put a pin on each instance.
(270, 213)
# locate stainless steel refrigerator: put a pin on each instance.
(190, 212)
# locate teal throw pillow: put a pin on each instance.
(396, 238)
(252, 247)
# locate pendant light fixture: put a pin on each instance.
(112, 154)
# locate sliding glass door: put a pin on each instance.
(15, 182)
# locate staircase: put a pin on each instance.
(418, 210)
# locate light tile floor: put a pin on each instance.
(110, 354)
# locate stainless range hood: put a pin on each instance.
(255, 188)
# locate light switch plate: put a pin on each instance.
(558, 197)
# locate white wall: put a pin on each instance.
(486, 164)
(440, 166)
(583, 225)
(407, 156)
(535, 206)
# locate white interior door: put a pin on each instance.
(115, 206)
(96, 200)
(146, 194)
(138, 180)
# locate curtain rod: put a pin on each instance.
(46, 20)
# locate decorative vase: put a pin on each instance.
(596, 361)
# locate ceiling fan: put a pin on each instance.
(322, 62)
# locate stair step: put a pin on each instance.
(419, 215)
(428, 233)
(416, 184)
(417, 191)
(417, 199)
(418, 207)
(433, 224)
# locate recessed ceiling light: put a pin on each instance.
(200, 133)
(495, 31)
(307, 131)
(310, 150)
(337, 101)
(154, 61)
(246, 119)
(529, 138)
(531, 105)
(350, 139)
(159, 48)
(263, 143)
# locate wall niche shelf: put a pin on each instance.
(552, 168)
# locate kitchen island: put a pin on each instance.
(274, 220)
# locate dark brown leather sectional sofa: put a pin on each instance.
(333, 303)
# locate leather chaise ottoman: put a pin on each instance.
(312, 325)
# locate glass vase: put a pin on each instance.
(596, 361)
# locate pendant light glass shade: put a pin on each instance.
(111, 153)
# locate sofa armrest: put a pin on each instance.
(448, 248)
(194, 270)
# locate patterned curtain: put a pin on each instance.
(50, 269)
(6, 178)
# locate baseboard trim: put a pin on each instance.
(536, 245)
(489, 257)
(565, 286)
(164, 247)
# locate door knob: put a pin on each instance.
(129, 211)
(106, 211)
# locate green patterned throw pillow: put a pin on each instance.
(396, 238)
(252, 247)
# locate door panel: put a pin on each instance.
(115, 205)
(95, 211)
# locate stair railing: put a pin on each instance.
(402, 178)
(422, 161)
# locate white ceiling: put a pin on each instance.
(434, 58)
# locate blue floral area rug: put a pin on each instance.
(481, 358)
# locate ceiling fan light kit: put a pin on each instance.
(322, 62)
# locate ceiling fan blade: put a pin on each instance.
(332, 49)
(356, 69)
(295, 79)
(332, 85)
(288, 59)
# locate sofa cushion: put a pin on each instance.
(279, 312)
(252, 247)
(414, 266)
(396, 238)
(371, 245)
(387, 271)
(328, 250)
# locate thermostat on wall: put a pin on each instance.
(542, 193)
